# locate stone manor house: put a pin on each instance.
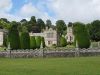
(50, 35)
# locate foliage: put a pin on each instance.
(40, 24)
(81, 35)
(48, 23)
(63, 42)
(61, 27)
(31, 24)
(43, 41)
(5, 40)
(94, 30)
(38, 41)
(13, 36)
(32, 42)
(4, 24)
(25, 40)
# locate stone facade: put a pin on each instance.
(1, 38)
(2, 33)
(49, 35)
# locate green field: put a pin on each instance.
(50, 66)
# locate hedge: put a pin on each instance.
(81, 35)
(38, 41)
(63, 42)
(13, 37)
(5, 40)
(32, 42)
(25, 40)
(43, 41)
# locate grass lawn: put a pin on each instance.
(50, 66)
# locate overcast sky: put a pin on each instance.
(67, 10)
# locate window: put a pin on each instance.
(49, 42)
(49, 35)
(71, 38)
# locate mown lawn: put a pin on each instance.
(50, 66)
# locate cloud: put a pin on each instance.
(28, 10)
(68, 10)
(10, 17)
(76, 10)
(5, 5)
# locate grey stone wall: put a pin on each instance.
(50, 52)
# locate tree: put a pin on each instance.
(32, 42)
(43, 41)
(33, 20)
(5, 40)
(4, 24)
(81, 35)
(61, 27)
(38, 41)
(25, 39)
(94, 30)
(31, 24)
(23, 21)
(13, 36)
(48, 23)
(63, 42)
(40, 24)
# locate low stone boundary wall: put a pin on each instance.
(50, 53)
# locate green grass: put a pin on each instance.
(50, 66)
(2, 48)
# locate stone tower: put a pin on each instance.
(70, 36)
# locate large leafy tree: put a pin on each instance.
(4, 24)
(48, 23)
(32, 24)
(24, 22)
(40, 24)
(61, 27)
(94, 30)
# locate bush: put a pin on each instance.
(38, 41)
(5, 40)
(81, 35)
(25, 40)
(43, 41)
(32, 42)
(54, 45)
(13, 37)
(63, 42)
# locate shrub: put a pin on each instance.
(54, 45)
(32, 42)
(38, 41)
(43, 41)
(13, 37)
(63, 42)
(5, 40)
(25, 40)
(81, 35)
